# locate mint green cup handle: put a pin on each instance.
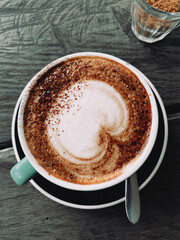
(22, 172)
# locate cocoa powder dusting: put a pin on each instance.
(120, 150)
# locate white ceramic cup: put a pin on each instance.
(28, 167)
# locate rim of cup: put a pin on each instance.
(130, 168)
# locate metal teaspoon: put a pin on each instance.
(132, 199)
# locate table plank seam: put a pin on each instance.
(4, 145)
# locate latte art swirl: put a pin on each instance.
(87, 118)
(76, 130)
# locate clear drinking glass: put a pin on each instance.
(150, 24)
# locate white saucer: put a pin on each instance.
(106, 197)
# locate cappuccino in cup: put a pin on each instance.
(86, 119)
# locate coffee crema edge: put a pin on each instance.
(58, 79)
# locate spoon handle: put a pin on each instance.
(132, 199)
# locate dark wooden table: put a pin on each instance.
(32, 34)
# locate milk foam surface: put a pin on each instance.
(88, 109)
(86, 119)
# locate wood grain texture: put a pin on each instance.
(34, 33)
(27, 214)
